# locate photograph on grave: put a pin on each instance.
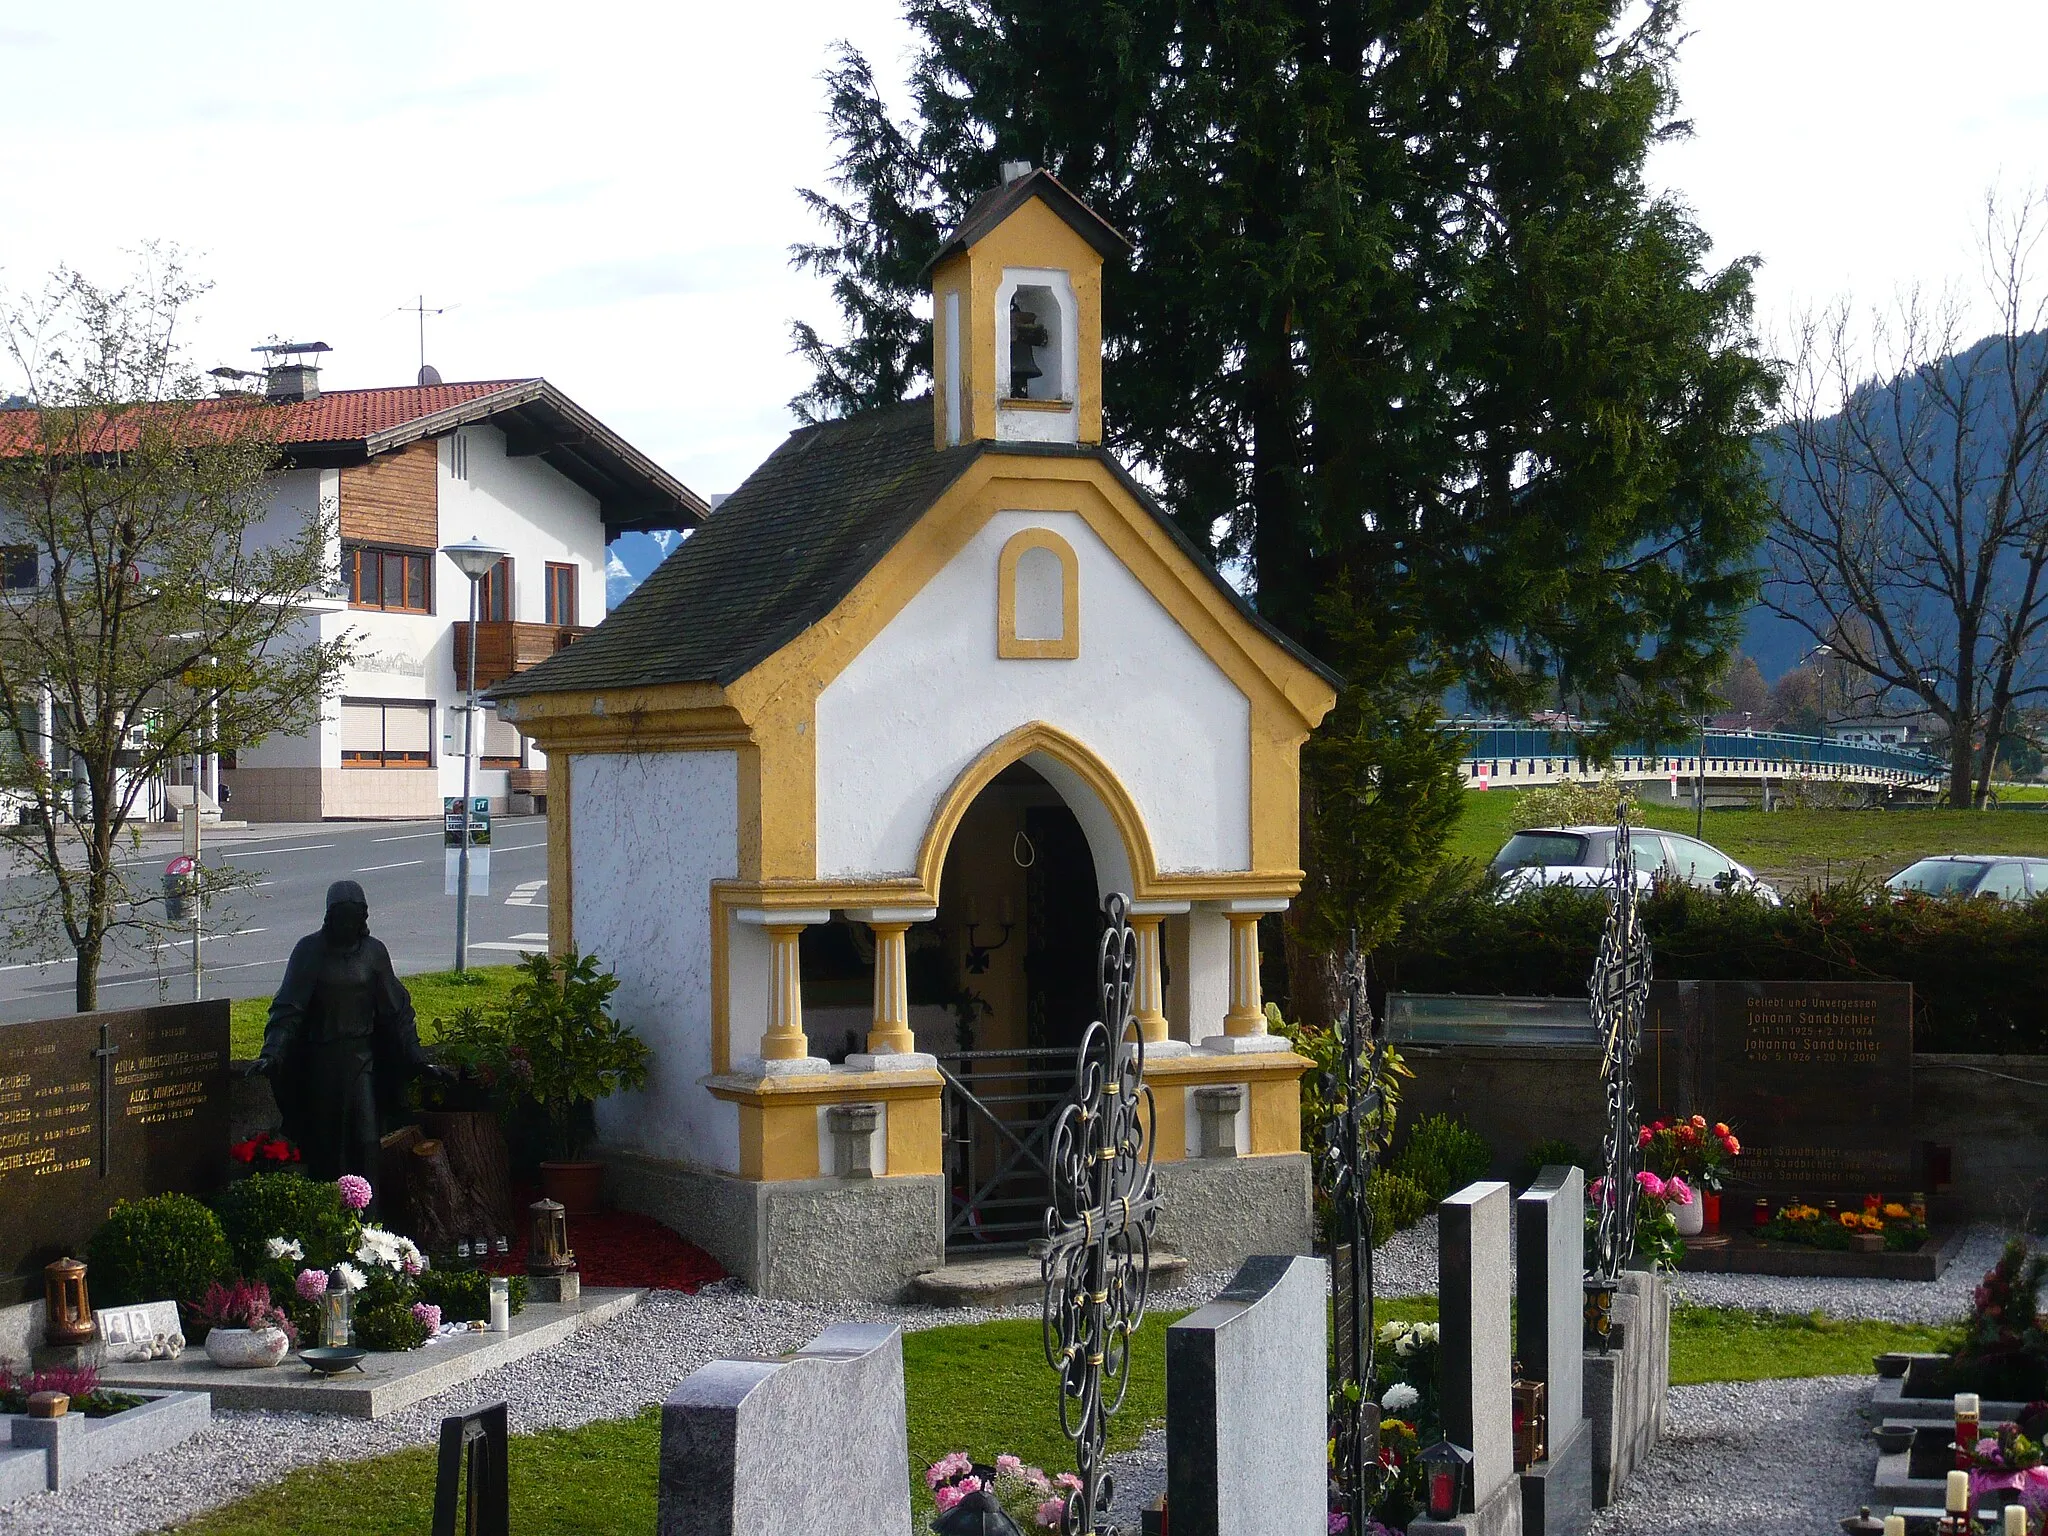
(101, 1107)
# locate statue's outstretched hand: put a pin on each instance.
(260, 1066)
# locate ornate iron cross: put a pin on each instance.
(1620, 994)
(1354, 1142)
(1098, 1228)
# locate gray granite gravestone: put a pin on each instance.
(815, 1441)
(1550, 1224)
(1474, 1360)
(1246, 1405)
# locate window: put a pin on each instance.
(1038, 598)
(494, 594)
(396, 580)
(380, 734)
(1700, 865)
(499, 747)
(17, 568)
(561, 593)
(2007, 881)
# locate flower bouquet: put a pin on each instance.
(2006, 1468)
(1882, 1224)
(963, 1488)
(267, 1151)
(1689, 1149)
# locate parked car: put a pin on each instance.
(1585, 856)
(1974, 874)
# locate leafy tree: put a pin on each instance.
(146, 615)
(1743, 689)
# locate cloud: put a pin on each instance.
(618, 581)
(627, 279)
(26, 37)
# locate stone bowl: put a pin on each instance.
(242, 1349)
(1893, 1438)
(332, 1361)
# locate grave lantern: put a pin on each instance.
(978, 1514)
(1600, 1314)
(66, 1308)
(547, 1245)
(1531, 1421)
(1446, 1476)
(337, 1309)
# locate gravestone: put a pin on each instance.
(100, 1107)
(1550, 1235)
(1246, 1406)
(815, 1441)
(1474, 1365)
(1815, 1077)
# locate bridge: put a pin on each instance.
(1734, 767)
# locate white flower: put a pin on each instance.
(285, 1248)
(1399, 1397)
(389, 1250)
(350, 1276)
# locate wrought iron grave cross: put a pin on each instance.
(1098, 1228)
(1620, 995)
(1354, 1142)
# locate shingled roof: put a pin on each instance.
(784, 549)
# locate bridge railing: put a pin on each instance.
(1738, 752)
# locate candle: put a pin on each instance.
(2015, 1520)
(1894, 1525)
(1967, 1424)
(1958, 1493)
(501, 1304)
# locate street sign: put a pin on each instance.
(183, 864)
(479, 843)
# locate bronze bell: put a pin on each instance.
(67, 1311)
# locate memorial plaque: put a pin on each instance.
(100, 1107)
(1816, 1077)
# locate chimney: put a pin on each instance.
(1015, 170)
(291, 369)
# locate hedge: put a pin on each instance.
(1977, 967)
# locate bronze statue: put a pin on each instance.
(341, 1043)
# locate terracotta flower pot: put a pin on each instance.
(578, 1187)
(238, 1349)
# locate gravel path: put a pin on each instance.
(605, 1372)
(1766, 1458)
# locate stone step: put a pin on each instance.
(1010, 1279)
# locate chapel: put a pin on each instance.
(839, 792)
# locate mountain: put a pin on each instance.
(632, 558)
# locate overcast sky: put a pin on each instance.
(604, 193)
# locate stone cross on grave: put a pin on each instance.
(1098, 1228)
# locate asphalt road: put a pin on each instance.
(250, 935)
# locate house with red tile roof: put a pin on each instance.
(406, 471)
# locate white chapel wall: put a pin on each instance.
(900, 724)
(652, 831)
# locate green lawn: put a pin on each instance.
(980, 1387)
(435, 995)
(1794, 847)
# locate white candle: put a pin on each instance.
(1894, 1525)
(2015, 1520)
(1959, 1493)
(501, 1306)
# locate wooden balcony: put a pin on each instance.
(504, 647)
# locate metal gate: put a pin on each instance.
(999, 1108)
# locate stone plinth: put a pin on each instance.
(1474, 1348)
(49, 1454)
(1626, 1387)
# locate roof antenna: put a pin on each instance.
(428, 373)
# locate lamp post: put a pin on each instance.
(475, 559)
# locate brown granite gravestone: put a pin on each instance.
(100, 1107)
(1815, 1077)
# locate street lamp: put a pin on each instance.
(475, 559)
(1822, 651)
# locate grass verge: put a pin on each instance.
(435, 996)
(981, 1387)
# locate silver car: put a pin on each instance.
(1975, 874)
(1585, 856)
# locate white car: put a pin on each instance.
(2008, 877)
(1585, 856)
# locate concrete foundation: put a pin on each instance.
(1626, 1387)
(1557, 1492)
(1216, 1212)
(1500, 1515)
(49, 1454)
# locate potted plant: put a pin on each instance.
(1695, 1152)
(244, 1328)
(572, 1053)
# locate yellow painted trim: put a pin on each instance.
(1170, 1124)
(779, 1141)
(779, 1119)
(916, 1143)
(561, 854)
(1067, 645)
(1276, 1115)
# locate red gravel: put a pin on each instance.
(622, 1248)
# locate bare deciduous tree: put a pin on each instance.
(149, 609)
(1912, 527)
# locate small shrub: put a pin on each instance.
(167, 1247)
(1397, 1202)
(464, 1295)
(267, 1205)
(1444, 1154)
(389, 1327)
(1551, 1150)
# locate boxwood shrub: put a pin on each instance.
(464, 1295)
(266, 1205)
(164, 1248)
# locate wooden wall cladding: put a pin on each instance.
(393, 499)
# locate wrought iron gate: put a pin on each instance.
(999, 1108)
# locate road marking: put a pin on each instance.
(208, 938)
(30, 965)
(371, 869)
(211, 970)
(520, 944)
(405, 837)
(522, 895)
(236, 853)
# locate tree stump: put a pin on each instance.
(393, 1205)
(475, 1142)
(445, 1210)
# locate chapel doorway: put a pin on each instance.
(1019, 904)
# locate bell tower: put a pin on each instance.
(1017, 316)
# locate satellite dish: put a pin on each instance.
(429, 374)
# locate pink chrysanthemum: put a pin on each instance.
(355, 1191)
(428, 1314)
(311, 1284)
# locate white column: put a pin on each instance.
(784, 1046)
(891, 1045)
(1244, 1026)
